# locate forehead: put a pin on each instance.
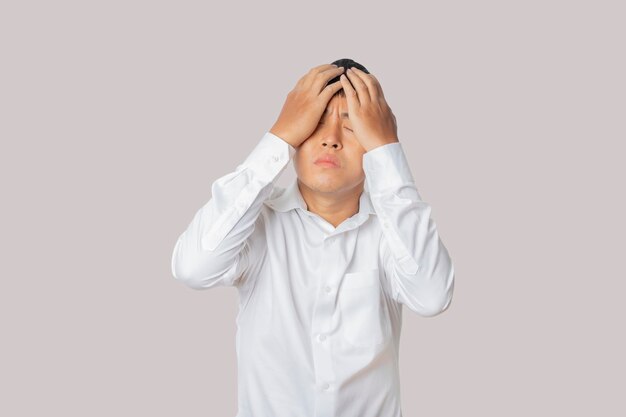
(339, 105)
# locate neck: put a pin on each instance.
(334, 207)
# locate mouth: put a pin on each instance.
(327, 164)
(328, 161)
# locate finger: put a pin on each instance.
(359, 85)
(329, 73)
(330, 91)
(322, 68)
(322, 71)
(351, 94)
(323, 77)
(378, 86)
(312, 72)
(369, 81)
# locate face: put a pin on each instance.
(333, 136)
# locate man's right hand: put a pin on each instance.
(306, 103)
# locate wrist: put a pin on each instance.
(276, 131)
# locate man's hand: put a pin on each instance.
(305, 104)
(373, 122)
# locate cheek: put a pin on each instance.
(300, 160)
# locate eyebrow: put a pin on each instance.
(343, 115)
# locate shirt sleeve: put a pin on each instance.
(219, 246)
(415, 260)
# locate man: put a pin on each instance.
(324, 266)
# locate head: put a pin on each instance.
(333, 136)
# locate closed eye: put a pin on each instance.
(344, 127)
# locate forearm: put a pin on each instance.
(416, 261)
(212, 251)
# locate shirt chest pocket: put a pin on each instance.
(364, 320)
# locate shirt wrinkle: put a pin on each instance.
(320, 308)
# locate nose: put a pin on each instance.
(332, 143)
(332, 139)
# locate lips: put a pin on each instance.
(327, 160)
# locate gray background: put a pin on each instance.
(117, 116)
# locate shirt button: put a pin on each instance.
(275, 158)
(325, 386)
(327, 289)
(385, 224)
(322, 337)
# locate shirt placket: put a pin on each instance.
(322, 326)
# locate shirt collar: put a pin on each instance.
(291, 198)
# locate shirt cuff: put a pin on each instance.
(386, 167)
(269, 157)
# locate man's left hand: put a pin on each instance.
(372, 120)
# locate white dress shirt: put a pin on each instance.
(320, 308)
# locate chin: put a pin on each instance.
(329, 185)
(320, 184)
(327, 188)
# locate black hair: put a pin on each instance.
(345, 63)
